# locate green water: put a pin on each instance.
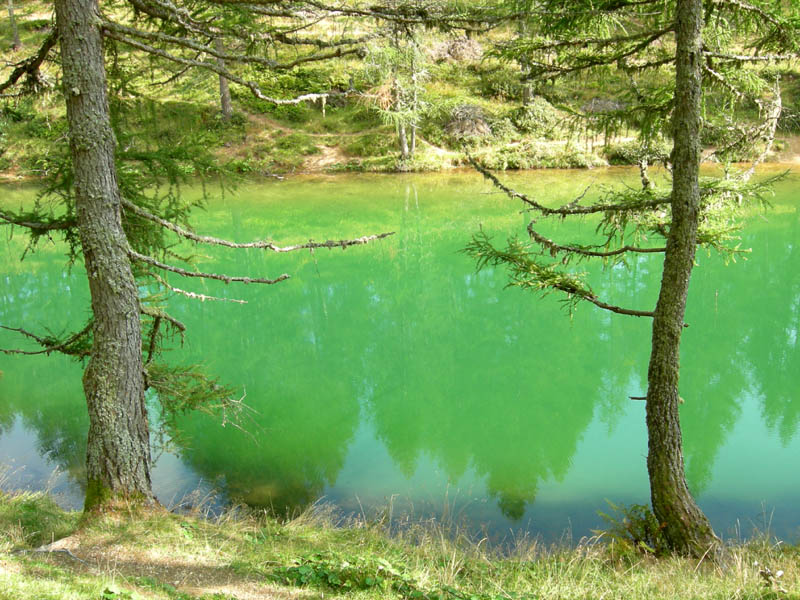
(394, 375)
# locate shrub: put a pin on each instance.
(539, 118)
(297, 143)
(370, 144)
(630, 153)
(635, 529)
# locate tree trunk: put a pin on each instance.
(224, 90)
(525, 67)
(401, 134)
(686, 528)
(118, 452)
(414, 101)
(16, 44)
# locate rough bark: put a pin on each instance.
(224, 90)
(16, 43)
(686, 528)
(118, 452)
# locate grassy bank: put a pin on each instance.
(471, 98)
(241, 555)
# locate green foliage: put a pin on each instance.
(539, 118)
(526, 270)
(116, 593)
(655, 151)
(333, 571)
(633, 529)
(289, 113)
(371, 144)
(536, 155)
(298, 143)
(178, 390)
(344, 573)
(501, 83)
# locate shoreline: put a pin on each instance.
(785, 163)
(147, 553)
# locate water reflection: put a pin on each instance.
(397, 369)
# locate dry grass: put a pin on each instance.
(241, 554)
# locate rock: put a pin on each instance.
(468, 121)
(460, 49)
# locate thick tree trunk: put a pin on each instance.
(686, 528)
(224, 90)
(118, 453)
(16, 43)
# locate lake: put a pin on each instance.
(392, 379)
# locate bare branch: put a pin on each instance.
(193, 295)
(307, 41)
(226, 278)
(203, 239)
(774, 109)
(157, 313)
(741, 58)
(619, 309)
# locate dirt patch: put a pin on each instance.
(194, 575)
(7, 568)
(329, 155)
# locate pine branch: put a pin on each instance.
(527, 273)
(183, 272)
(586, 251)
(210, 49)
(30, 66)
(283, 38)
(216, 68)
(593, 60)
(571, 208)
(401, 13)
(746, 6)
(39, 226)
(51, 344)
(648, 36)
(168, 12)
(203, 239)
